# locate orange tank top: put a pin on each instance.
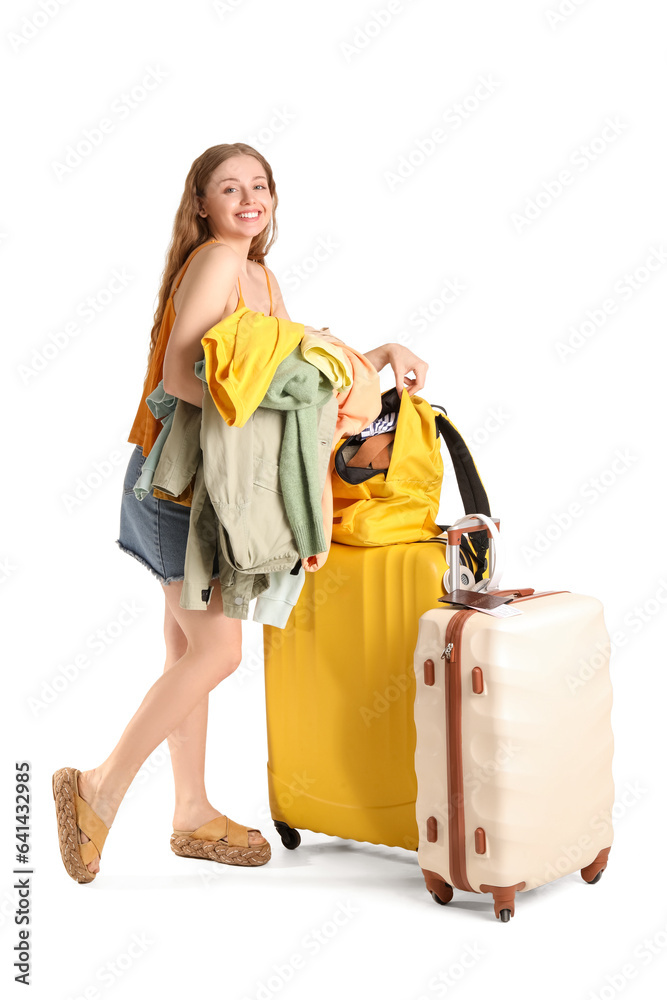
(146, 427)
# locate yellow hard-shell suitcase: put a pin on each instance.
(340, 690)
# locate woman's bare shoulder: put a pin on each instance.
(213, 267)
(214, 260)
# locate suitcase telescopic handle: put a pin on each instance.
(464, 526)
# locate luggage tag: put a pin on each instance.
(489, 604)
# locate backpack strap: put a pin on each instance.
(469, 482)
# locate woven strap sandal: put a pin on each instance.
(74, 815)
(206, 842)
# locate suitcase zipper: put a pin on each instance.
(455, 787)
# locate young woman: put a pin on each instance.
(223, 228)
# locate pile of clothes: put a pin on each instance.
(254, 462)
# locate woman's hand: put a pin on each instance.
(313, 563)
(402, 361)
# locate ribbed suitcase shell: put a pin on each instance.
(340, 690)
(523, 792)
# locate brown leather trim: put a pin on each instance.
(454, 534)
(455, 788)
(503, 896)
(517, 591)
(373, 452)
(436, 883)
(590, 871)
(542, 593)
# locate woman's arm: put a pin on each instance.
(378, 357)
(206, 287)
(401, 359)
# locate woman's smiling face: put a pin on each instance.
(238, 201)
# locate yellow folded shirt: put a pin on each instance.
(329, 358)
(242, 353)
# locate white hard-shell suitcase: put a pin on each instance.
(514, 743)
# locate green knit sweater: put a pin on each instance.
(299, 388)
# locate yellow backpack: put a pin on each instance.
(386, 487)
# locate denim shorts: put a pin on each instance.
(154, 531)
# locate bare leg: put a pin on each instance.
(213, 652)
(187, 743)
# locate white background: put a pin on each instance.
(336, 104)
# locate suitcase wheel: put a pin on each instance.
(290, 838)
(505, 915)
(593, 873)
(436, 897)
(440, 890)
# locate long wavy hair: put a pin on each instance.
(190, 229)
